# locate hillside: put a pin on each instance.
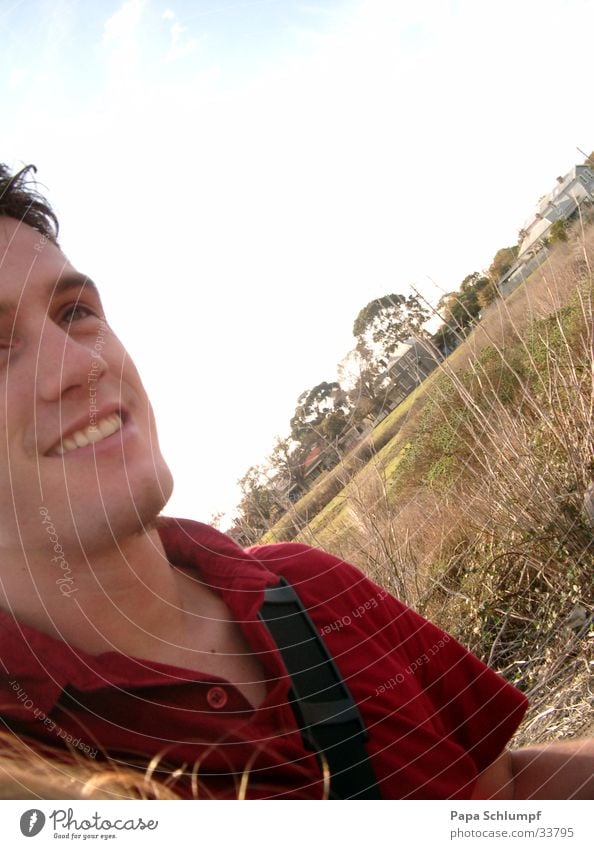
(468, 501)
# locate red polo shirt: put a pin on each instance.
(436, 715)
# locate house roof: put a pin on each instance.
(312, 456)
(560, 202)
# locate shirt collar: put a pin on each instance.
(35, 667)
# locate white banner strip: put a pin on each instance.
(287, 825)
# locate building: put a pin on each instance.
(564, 201)
(404, 374)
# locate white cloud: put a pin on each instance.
(121, 27)
(179, 46)
(121, 43)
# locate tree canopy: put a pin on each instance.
(389, 321)
(502, 262)
(313, 407)
(259, 508)
(460, 309)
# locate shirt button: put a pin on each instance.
(216, 697)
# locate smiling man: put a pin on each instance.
(129, 635)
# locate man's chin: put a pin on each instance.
(134, 509)
(115, 520)
(138, 517)
(110, 531)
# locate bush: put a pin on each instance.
(558, 232)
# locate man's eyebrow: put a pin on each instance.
(70, 281)
(73, 281)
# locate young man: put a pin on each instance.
(138, 637)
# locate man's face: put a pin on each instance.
(77, 432)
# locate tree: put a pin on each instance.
(313, 407)
(558, 232)
(445, 340)
(258, 508)
(360, 370)
(488, 293)
(477, 290)
(286, 460)
(459, 310)
(216, 519)
(390, 321)
(334, 425)
(502, 262)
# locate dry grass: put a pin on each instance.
(474, 512)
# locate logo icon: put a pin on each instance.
(32, 822)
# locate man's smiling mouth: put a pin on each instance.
(93, 433)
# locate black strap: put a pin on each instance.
(328, 717)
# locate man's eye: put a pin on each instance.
(76, 312)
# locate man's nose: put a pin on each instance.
(66, 364)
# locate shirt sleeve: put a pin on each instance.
(476, 706)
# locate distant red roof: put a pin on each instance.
(312, 456)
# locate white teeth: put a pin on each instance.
(80, 439)
(108, 426)
(93, 433)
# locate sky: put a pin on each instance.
(241, 178)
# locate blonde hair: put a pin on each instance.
(31, 770)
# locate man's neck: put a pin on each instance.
(127, 599)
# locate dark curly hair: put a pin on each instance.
(20, 199)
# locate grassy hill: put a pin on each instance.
(468, 500)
